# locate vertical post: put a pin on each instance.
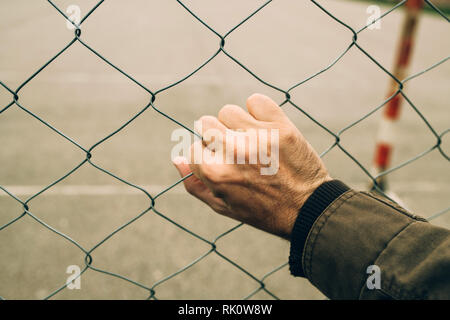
(386, 136)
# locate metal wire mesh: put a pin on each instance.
(260, 284)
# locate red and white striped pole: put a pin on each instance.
(386, 136)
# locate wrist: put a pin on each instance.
(318, 201)
(300, 200)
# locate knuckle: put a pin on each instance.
(227, 110)
(290, 136)
(214, 176)
(254, 98)
(209, 174)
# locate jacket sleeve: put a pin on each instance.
(343, 241)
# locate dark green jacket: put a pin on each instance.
(340, 233)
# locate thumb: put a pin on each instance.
(197, 188)
(192, 184)
(181, 164)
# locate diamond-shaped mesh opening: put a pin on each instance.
(163, 210)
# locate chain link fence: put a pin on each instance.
(214, 246)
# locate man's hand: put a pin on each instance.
(240, 191)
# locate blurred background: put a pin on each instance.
(158, 42)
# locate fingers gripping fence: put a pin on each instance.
(214, 247)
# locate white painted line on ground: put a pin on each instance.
(74, 190)
(89, 78)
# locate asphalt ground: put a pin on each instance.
(158, 43)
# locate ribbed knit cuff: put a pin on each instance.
(321, 198)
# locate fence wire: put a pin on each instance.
(260, 284)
